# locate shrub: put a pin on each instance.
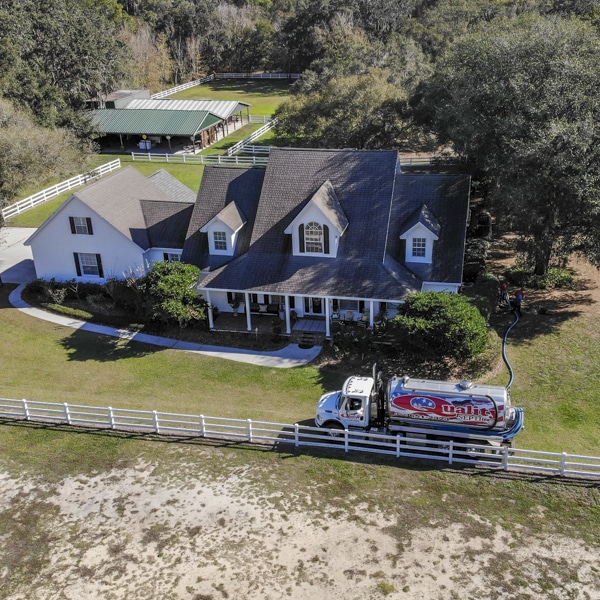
(484, 294)
(524, 276)
(440, 325)
(171, 295)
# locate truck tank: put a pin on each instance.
(468, 406)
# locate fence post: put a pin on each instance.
(111, 417)
(249, 429)
(563, 464)
(25, 409)
(156, 427)
(397, 446)
(67, 415)
(202, 426)
(346, 440)
(296, 435)
(450, 452)
(505, 461)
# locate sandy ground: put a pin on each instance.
(135, 534)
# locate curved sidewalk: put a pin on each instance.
(290, 356)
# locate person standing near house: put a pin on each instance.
(518, 301)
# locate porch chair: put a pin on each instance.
(363, 321)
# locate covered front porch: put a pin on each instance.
(254, 312)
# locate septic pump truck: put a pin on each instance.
(422, 408)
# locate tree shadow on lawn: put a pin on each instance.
(88, 346)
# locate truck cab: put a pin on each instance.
(349, 408)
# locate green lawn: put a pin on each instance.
(264, 95)
(557, 379)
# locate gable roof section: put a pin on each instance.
(446, 197)
(152, 122)
(230, 216)
(363, 181)
(170, 185)
(327, 202)
(422, 216)
(166, 222)
(220, 187)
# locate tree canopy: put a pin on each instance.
(521, 104)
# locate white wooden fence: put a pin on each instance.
(258, 75)
(253, 136)
(58, 189)
(184, 86)
(200, 159)
(507, 459)
(191, 84)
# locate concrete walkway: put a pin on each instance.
(16, 266)
(290, 356)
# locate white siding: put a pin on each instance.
(54, 244)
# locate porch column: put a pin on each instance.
(248, 316)
(288, 326)
(371, 313)
(211, 319)
(327, 318)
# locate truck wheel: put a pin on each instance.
(335, 429)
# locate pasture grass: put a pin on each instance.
(263, 95)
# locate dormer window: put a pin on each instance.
(313, 238)
(318, 227)
(223, 230)
(419, 247)
(420, 231)
(220, 240)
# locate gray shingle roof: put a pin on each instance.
(232, 216)
(326, 199)
(363, 182)
(119, 199)
(422, 216)
(220, 187)
(447, 198)
(177, 191)
(166, 222)
(375, 200)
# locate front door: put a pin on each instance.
(313, 306)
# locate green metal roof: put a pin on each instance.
(152, 122)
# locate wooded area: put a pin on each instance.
(508, 85)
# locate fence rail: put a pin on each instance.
(451, 452)
(191, 84)
(258, 75)
(183, 86)
(200, 159)
(253, 136)
(58, 189)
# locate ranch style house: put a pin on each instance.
(317, 234)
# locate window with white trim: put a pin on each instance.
(313, 237)
(220, 240)
(419, 247)
(90, 264)
(171, 257)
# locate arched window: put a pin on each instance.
(313, 237)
